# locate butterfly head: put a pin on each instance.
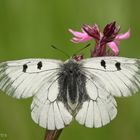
(71, 66)
(71, 60)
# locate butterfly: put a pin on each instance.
(63, 91)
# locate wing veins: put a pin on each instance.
(97, 75)
(99, 69)
(42, 71)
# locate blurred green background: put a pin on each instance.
(29, 27)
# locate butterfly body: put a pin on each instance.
(72, 85)
(63, 91)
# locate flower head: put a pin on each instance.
(109, 37)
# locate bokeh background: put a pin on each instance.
(29, 27)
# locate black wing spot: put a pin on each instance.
(25, 67)
(39, 65)
(118, 65)
(103, 64)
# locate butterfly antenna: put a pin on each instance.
(54, 47)
(82, 49)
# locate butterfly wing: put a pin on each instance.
(38, 78)
(120, 76)
(50, 115)
(106, 77)
(23, 78)
(99, 109)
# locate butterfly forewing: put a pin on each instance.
(120, 76)
(23, 78)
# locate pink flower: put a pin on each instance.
(109, 37)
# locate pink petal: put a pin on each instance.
(123, 36)
(75, 40)
(80, 40)
(78, 34)
(114, 47)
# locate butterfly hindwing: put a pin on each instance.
(99, 109)
(50, 115)
(47, 110)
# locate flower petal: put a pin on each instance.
(80, 40)
(123, 36)
(92, 31)
(114, 47)
(80, 36)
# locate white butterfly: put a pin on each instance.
(62, 91)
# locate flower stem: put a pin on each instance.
(52, 134)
